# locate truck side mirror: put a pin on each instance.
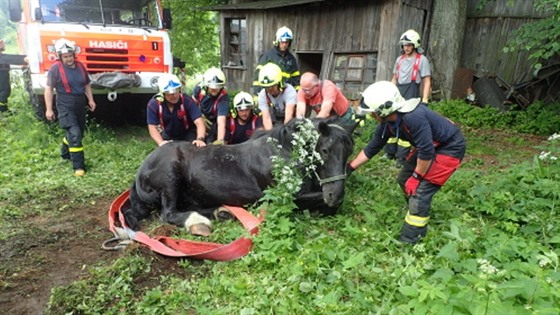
(37, 14)
(14, 8)
(167, 19)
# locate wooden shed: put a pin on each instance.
(354, 43)
(351, 44)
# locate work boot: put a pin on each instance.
(79, 172)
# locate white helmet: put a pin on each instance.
(243, 101)
(64, 46)
(169, 83)
(284, 34)
(410, 37)
(384, 98)
(214, 78)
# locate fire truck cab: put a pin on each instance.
(123, 44)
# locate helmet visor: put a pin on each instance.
(171, 87)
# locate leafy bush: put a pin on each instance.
(539, 118)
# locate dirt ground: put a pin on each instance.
(58, 250)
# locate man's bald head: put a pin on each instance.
(308, 79)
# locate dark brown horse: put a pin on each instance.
(188, 183)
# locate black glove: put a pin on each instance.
(349, 169)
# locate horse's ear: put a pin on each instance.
(350, 127)
(324, 128)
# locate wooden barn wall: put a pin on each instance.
(486, 34)
(328, 28)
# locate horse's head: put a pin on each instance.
(335, 145)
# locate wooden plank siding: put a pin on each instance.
(487, 32)
(325, 29)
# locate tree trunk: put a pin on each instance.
(445, 45)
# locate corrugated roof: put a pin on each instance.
(258, 5)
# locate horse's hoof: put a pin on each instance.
(223, 213)
(200, 229)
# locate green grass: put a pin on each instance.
(492, 245)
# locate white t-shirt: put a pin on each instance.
(277, 105)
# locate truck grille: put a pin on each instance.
(100, 59)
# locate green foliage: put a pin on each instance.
(8, 30)
(35, 180)
(538, 118)
(492, 247)
(194, 36)
(540, 37)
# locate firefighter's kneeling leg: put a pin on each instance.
(415, 224)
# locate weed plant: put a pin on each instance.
(492, 247)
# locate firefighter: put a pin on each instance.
(244, 122)
(324, 98)
(172, 115)
(73, 91)
(277, 100)
(280, 54)
(5, 88)
(410, 73)
(438, 150)
(212, 98)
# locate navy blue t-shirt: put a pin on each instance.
(77, 78)
(237, 133)
(422, 127)
(210, 106)
(173, 123)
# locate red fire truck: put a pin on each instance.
(123, 44)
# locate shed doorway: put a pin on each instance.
(310, 62)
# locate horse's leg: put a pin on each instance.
(219, 213)
(137, 211)
(192, 221)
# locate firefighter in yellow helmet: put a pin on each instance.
(439, 148)
(410, 73)
(280, 54)
(277, 100)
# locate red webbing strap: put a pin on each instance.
(63, 78)
(415, 67)
(184, 248)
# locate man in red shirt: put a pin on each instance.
(323, 96)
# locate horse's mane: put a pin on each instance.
(283, 133)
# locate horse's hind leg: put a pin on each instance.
(137, 211)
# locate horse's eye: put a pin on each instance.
(324, 151)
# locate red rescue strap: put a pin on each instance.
(171, 247)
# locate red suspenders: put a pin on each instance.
(414, 68)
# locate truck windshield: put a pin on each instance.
(142, 13)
